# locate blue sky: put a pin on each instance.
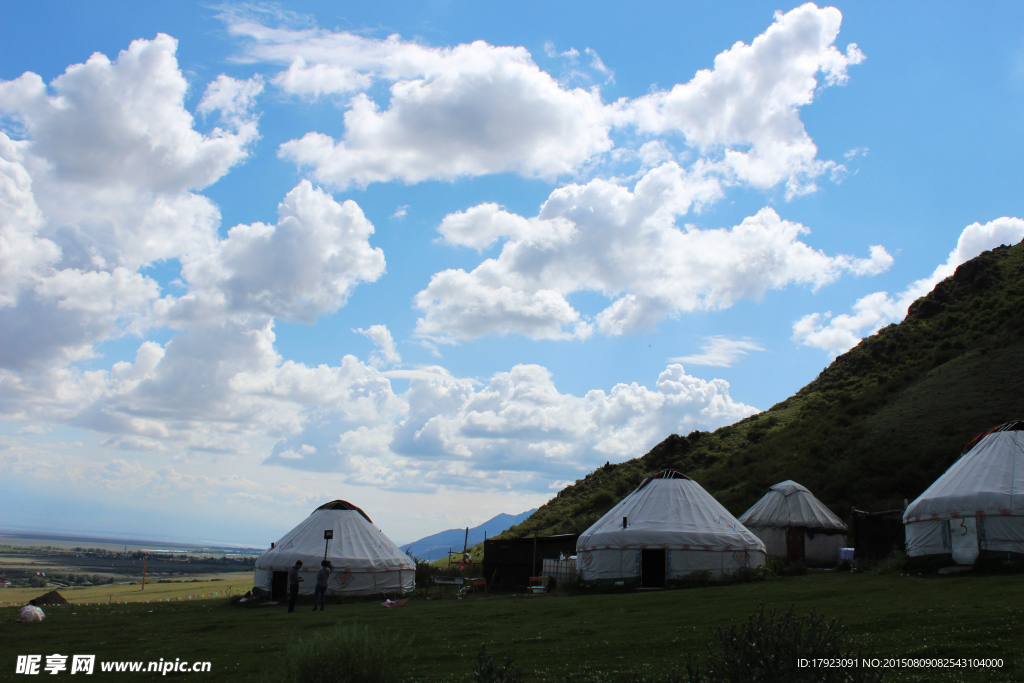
(441, 259)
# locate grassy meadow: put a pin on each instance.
(584, 635)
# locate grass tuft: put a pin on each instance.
(348, 654)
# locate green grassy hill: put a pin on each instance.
(877, 426)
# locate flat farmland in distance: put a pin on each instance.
(113, 566)
(57, 541)
(590, 636)
(68, 563)
(234, 583)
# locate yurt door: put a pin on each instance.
(795, 545)
(652, 568)
(964, 534)
(279, 586)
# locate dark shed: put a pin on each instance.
(876, 535)
(509, 563)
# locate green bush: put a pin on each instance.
(752, 574)
(768, 646)
(343, 655)
(485, 670)
(779, 567)
(425, 573)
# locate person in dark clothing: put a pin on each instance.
(293, 585)
(320, 592)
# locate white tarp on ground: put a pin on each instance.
(986, 483)
(674, 514)
(365, 560)
(789, 505)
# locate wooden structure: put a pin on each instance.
(441, 581)
(510, 563)
(876, 535)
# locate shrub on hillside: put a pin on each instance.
(342, 655)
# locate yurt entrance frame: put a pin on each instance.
(279, 586)
(795, 544)
(652, 568)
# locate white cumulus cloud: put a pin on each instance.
(305, 265)
(103, 182)
(745, 111)
(386, 354)
(625, 245)
(477, 109)
(232, 97)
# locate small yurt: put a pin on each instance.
(977, 506)
(796, 526)
(365, 560)
(667, 529)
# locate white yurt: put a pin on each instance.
(796, 526)
(365, 560)
(667, 529)
(977, 506)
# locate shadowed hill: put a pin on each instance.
(877, 426)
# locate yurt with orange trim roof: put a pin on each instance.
(977, 507)
(365, 560)
(668, 529)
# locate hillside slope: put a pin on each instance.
(877, 426)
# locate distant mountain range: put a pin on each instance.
(875, 428)
(434, 547)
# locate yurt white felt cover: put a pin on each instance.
(672, 512)
(788, 505)
(365, 560)
(979, 500)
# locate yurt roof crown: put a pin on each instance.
(1011, 426)
(343, 505)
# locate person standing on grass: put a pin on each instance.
(320, 592)
(293, 585)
